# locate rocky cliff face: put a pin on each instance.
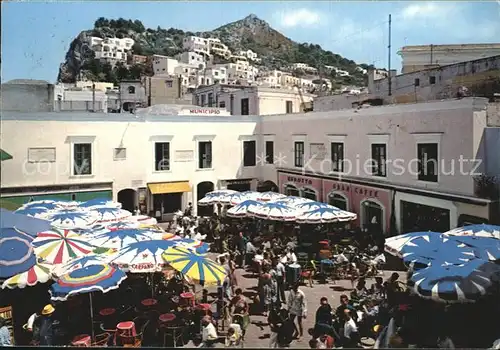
(275, 50)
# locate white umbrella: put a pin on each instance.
(270, 196)
(117, 239)
(241, 210)
(35, 212)
(110, 214)
(275, 211)
(308, 206)
(481, 230)
(293, 201)
(78, 263)
(240, 197)
(326, 215)
(71, 219)
(217, 197)
(394, 245)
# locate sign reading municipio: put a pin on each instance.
(205, 111)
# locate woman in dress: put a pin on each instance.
(265, 290)
(232, 271)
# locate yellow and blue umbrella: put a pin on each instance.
(39, 273)
(194, 266)
(92, 278)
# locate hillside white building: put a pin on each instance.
(111, 49)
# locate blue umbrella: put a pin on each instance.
(70, 219)
(32, 211)
(50, 205)
(455, 283)
(481, 230)
(23, 223)
(16, 253)
(484, 247)
(442, 249)
(326, 215)
(117, 239)
(394, 245)
(309, 206)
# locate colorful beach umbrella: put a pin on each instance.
(34, 212)
(326, 215)
(270, 196)
(110, 214)
(93, 278)
(241, 210)
(78, 263)
(117, 239)
(275, 211)
(16, 252)
(39, 273)
(59, 246)
(71, 219)
(481, 230)
(195, 266)
(142, 257)
(100, 202)
(23, 223)
(455, 283)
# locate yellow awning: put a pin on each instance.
(169, 187)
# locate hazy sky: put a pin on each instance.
(36, 35)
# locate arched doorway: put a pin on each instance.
(267, 186)
(291, 190)
(337, 200)
(127, 197)
(309, 194)
(201, 190)
(372, 216)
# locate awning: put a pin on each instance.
(169, 187)
(4, 155)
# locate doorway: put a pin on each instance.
(419, 217)
(309, 194)
(267, 186)
(201, 190)
(291, 190)
(337, 200)
(127, 197)
(167, 203)
(240, 187)
(373, 216)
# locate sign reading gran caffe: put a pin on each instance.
(299, 180)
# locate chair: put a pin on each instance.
(134, 341)
(308, 272)
(102, 339)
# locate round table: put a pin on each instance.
(82, 340)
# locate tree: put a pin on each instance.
(137, 49)
(138, 26)
(101, 22)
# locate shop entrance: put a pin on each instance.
(127, 197)
(240, 187)
(167, 203)
(309, 194)
(419, 217)
(267, 186)
(373, 216)
(291, 190)
(201, 190)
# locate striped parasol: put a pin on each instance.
(195, 266)
(58, 246)
(39, 273)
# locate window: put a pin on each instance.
(309, 194)
(82, 159)
(244, 106)
(269, 152)
(162, 156)
(379, 166)
(289, 107)
(427, 161)
(197, 100)
(210, 99)
(169, 83)
(299, 154)
(432, 80)
(202, 101)
(205, 154)
(249, 153)
(417, 82)
(291, 190)
(222, 104)
(131, 89)
(337, 201)
(337, 149)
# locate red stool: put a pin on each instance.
(188, 298)
(149, 302)
(107, 312)
(125, 330)
(166, 318)
(204, 308)
(82, 341)
(324, 245)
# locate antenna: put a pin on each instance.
(389, 58)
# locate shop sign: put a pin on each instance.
(139, 267)
(237, 182)
(337, 186)
(204, 111)
(366, 192)
(300, 180)
(318, 151)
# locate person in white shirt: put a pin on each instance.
(291, 257)
(297, 307)
(279, 268)
(209, 333)
(350, 330)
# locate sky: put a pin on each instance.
(36, 35)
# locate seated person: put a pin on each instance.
(344, 304)
(377, 289)
(233, 337)
(360, 291)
